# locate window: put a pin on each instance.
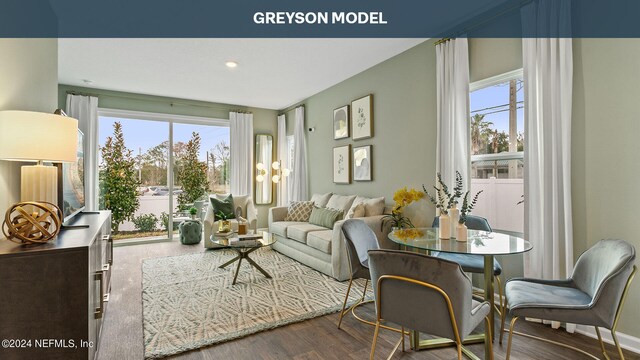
(497, 149)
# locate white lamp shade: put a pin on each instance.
(275, 165)
(260, 166)
(34, 136)
(260, 178)
(275, 178)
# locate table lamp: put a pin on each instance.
(27, 136)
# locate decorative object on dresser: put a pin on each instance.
(362, 118)
(362, 163)
(341, 122)
(342, 164)
(32, 222)
(61, 289)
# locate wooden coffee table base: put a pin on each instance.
(243, 253)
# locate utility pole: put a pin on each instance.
(513, 128)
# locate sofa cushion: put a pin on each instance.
(325, 217)
(299, 211)
(372, 207)
(320, 200)
(224, 206)
(299, 232)
(356, 211)
(280, 227)
(320, 240)
(341, 202)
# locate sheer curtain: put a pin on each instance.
(85, 110)
(241, 154)
(453, 131)
(283, 156)
(299, 185)
(548, 79)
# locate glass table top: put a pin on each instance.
(478, 242)
(232, 240)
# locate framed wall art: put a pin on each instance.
(341, 123)
(342, 164)
(362, 163)
(362, 118)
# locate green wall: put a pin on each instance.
(28, 81)
(264, 120)
(605, 150)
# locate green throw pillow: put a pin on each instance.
(325, 217)
(225, 205)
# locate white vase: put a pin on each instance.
(445, 227)
(461, 232)
(454, 216)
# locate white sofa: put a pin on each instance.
(318, 247)
(244, 203)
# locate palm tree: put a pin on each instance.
(480, 133)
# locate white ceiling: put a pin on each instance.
(272, 73)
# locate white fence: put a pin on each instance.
(498, 202)
(151, 205)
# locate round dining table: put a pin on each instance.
(481, 243)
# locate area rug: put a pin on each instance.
(189, 303)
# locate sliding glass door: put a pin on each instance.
(154, 168)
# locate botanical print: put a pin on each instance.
(362, 118)
(342, 164)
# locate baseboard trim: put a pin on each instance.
(627, 342)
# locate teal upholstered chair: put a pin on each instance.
(426, 294)
(593, 295)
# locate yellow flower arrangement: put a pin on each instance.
(402, 197)
(405, 234)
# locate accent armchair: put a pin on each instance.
(425, 294)
(593, 295)
(242, 203)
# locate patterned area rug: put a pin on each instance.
(189, 303)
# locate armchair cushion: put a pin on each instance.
(225, 206)
(556, 294)
(320, 240)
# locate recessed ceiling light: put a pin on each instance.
(231, 64)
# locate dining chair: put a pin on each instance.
(403, 282)
(594, 294)
(359, 238)
(474, 263)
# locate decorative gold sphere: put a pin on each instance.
(32, 222)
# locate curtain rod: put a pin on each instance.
(441, 41)
(286, 110)
(170, 103)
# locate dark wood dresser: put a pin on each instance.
(53, 296)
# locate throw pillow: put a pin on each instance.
(341, 202)
(299, 211)
(372, 207)
(321, 200)
(225, 206)
(325, 217)
(356, 211)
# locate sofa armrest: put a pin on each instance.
(209, 222)
(277, 214)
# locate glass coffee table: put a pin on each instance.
(243, 247)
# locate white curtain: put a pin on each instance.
(453, 131)
(548, 78)
(283, 156)
(85, 110)
(299, 181)
(241, 154)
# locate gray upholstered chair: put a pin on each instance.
(593, 295)
(405, 283)
(474, 263)
(359, 238)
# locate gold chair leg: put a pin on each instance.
(501, 310)
(503, 317)
(375, 339)
(510, 338)
(604, 351)
(402, 335)
(615, 340)
(488, 344)
(364, 291)
(344, 304)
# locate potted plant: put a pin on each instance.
(467, 206)
(402, 198)
(193, 212)
(445, 201)
(224, 225)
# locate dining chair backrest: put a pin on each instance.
(415, 306)
(602, 272)
(473, 223)
(359, 239)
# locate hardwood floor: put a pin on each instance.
(318, 338)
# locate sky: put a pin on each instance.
(493, 96)
(141, 135)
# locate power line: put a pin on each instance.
(495, 107)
